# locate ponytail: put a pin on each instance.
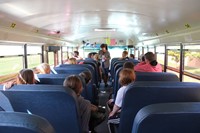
(154, 63)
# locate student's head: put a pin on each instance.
(96, 57)
(126, 76)
(128, 65)
(72, 61)
(124, 54)
(132, 56)
(90, 55)
(87, 76)
(25, 76)
(150, 58)
(76, 53)
(104, 47)
(44, 68)
(73, 82)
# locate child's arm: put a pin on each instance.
(115, 110)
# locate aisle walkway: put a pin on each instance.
(103, 98)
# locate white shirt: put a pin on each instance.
(120, 96)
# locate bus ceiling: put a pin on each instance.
(70, 22)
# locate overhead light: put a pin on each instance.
(104, 29)
(144, 34)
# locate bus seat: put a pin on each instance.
(17, 122)
(168, 118)
(49, 101)
(76, 69)
(140, 94)
(146, 76)
(121, 62)
(58, 79)
(156, 76)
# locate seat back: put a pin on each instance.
(121, 62)
(156, 76)
(52, 79)
(94, 64)
(58, 79)
(49, 101)
(17, 122)
(146, 76)
(76, 69)
(5, 103)
(140, 94)
(168, 118)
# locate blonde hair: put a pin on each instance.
(44, 68)
(74, 83)
(96, 57)
(72, 61)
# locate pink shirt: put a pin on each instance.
(146, 67)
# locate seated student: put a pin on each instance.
(128, 65)
(43, 68)
(96, 58)
(25, 76)
(132, 56)
(76, 55)
(126, 76)
(90, 56)
(97, 113)
(149, 65)
(71, 61)
(124, 55)
(73, 82)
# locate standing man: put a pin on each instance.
(105, 62)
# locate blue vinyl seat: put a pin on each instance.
(146, 76)
(52, 102)
(140, 94)
(76, 69)
(168, 118)
(17, 122)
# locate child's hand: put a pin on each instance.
(8, 85)
(110, 114)
(94, 108)
(110, 101)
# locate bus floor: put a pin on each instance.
(103, 98)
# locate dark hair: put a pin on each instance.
(104, 46)
(132, 55)
(86, 75)
(126, 76)
(128, 65)
(91, 54)
(76, 52)
(26, 76)
(151, 58)
(74, 83)
(143, 58)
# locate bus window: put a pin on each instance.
(160, 50)
(10, 65)
(116, 51)
(33, 60)
(51, 58)
(191, 62)
(34, 56)
(11, 60)
(173, 59)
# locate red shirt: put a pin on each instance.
(146, 67)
